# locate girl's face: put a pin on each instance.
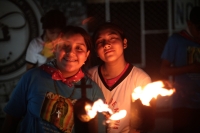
(71, 54)
(52, 34)
(110, 46)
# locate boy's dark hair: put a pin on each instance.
(108, 25)
(195, 15)
(53, 19)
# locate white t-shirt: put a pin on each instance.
(33, 53)
(118, 97)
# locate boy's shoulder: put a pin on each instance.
(36, 41)
(181, 35)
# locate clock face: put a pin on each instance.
(19, 23)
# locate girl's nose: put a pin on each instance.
(106, 44)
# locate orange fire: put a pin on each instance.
(118, 115)
(99, 106)
(151, 90)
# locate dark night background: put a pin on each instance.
(126, 13)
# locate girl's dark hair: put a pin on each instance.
(53, 19)
(108, 25)
(72, 30)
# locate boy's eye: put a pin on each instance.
(79, 48)
(63, 46)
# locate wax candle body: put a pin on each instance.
(142, 117)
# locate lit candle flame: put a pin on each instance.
(119, 115)
(151, 90)
(99, 106)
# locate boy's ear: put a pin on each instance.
(125, 43)
(190, 24)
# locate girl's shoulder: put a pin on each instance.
(136, 71)
(93, 70)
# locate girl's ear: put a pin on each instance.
(125, 43)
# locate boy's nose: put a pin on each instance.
(69, 50)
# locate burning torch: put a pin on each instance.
(143, 104)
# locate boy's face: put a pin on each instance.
(52, 34)
(109, 45)
(71, 53)
(194, 30)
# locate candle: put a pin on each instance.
(142, 116)
(143, 104)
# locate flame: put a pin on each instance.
(151, 90)
(99, 106)
(119, 115)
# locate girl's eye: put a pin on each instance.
(113, 38)
(100, 42)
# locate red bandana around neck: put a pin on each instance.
(185, 34)
(57, 75)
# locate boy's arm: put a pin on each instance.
(167, 69)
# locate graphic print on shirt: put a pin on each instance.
(193, 54)
(113, 106)
(58, 110)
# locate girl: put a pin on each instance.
(116, 77)
(44, 97)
